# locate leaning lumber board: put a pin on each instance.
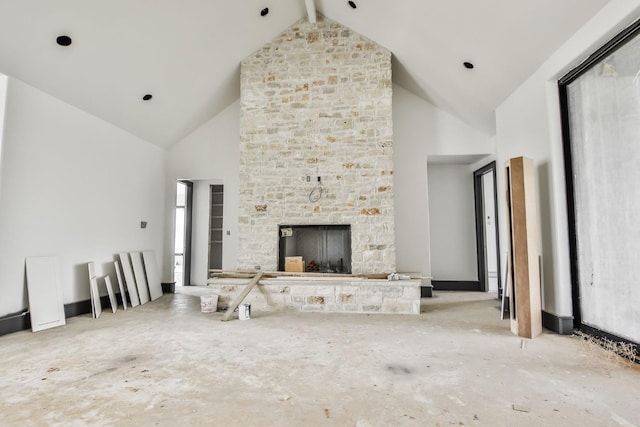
(242, 296)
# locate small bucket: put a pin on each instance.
(208, 303)
(244, 312)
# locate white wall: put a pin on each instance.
(3, 94)
(210, 153)
(452, 222)
(528, 123)
(422, 130)
(73, 186)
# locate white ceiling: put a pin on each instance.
(187, 53)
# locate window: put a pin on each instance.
(601, 124)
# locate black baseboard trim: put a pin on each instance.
(77, 308)
(456, 285)
(168, 287)
(84, 307)
(22, 320)
(562, 325)
(589, 330)
(15, 322)
(426, 291)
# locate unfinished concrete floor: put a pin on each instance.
(166, 363)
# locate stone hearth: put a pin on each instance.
(323, 294)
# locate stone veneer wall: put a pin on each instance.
(316, 101)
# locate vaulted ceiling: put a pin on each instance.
(187, 53)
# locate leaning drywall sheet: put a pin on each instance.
(116, 264)
(96, 305)
(153, 278)
(92, 275)
(92, 298)
(46, 306)
(141, 280)
(128, 278)
(112, 296)
(92, 270)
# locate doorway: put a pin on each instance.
(182, 233)
(487, 233)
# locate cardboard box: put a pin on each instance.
(294, 264)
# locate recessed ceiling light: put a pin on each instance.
(147, 97)
(63, 40)
(352, 4)
(468, 65)
(264, 12)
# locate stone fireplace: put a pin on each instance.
(316, 144)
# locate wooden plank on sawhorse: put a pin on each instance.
(242, 296)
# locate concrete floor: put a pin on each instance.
(166, 363)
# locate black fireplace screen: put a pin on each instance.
(324, 248)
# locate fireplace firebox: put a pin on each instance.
(324, 248)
